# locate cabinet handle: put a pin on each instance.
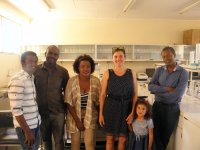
(185, 118)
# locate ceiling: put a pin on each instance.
(142, 9)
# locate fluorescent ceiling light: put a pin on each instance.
(21, 20)
(34, 8)
(48, 4)
(13, 13)
(128, 5)
(187, 8)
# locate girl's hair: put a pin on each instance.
(83, 58)
(118, 49)
(145, 103)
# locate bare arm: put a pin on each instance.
(135, 91)
(102, 97)
(150, 138)
(77, 120)
(135, 95)
(29, 138)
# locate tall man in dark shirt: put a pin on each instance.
(168, 84)
(50, 82)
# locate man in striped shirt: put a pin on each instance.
(23, 105)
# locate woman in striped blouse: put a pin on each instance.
(82, 98)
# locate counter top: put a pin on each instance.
(143, 91)
(190, 104)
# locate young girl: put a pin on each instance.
(141, 137)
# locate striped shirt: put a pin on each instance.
(22, 95)
(73, 97)
(84, 97)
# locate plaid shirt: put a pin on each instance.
(73, 97)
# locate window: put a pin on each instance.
(10, 36)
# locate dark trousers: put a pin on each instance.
(165, 117)
(53, 125)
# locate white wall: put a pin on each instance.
(107, 31)
(9, 65)
(103, 31)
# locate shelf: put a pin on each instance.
(191, 68)
(104, 52)
(147, 60)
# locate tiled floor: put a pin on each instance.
(99, 146)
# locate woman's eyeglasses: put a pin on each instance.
(118, 48)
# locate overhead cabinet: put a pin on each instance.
(104, 52)
(191, 37)
(71, 52)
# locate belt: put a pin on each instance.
(118, 98)
(167, 104)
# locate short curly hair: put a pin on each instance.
(26, 54)
(170, 49)
(83, 58)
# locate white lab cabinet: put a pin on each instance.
(187, 136)
(190, 135)
(178, 135)
(178, 138)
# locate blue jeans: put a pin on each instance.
(21, 137)
(53, 125)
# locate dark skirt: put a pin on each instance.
(137, 142)
(115, 114)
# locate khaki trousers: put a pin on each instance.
(89, 139)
